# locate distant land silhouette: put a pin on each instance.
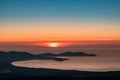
(69, 54)
(18, 56)
(10, 72)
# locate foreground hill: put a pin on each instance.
(20, 73)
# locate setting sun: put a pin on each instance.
(53, 44)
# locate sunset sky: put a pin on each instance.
(59, 20)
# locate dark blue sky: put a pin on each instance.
(60, 9)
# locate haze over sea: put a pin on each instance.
(107, 59)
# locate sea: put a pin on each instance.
(107, 59)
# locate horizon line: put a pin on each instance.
(53, 41)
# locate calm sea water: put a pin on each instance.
(107, 59)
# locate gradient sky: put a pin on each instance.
(65, 20)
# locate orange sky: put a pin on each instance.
(58, 31)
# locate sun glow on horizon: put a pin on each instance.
(54, 44)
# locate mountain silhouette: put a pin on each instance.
(67, 54)
(75, 54)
